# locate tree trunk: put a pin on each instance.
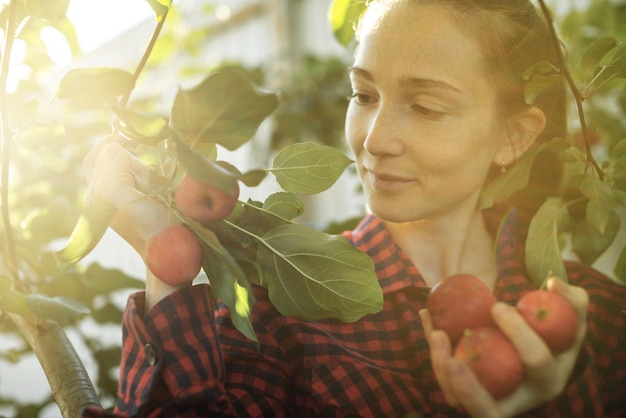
(70, 384)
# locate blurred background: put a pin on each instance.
(286, 44)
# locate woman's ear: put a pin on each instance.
(523, 130)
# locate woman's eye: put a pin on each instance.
(426, 112)
(361, 98)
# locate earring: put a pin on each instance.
(502, 167)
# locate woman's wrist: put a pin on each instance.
(156, 290)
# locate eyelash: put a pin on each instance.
(355, 96)
(422, 111)
(427, 113)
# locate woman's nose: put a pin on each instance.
(383, 133)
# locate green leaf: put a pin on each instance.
(47, 9)
(588, 244)
(14, 302)
(91, 226)
(143, 129)
(616, 68)
(543, 253)
(308, 168)
(103, 281)
(226, 108)
(285, 205)
(600, 201)
(313, 275)
(57, 308)
(517, 176)
(160, 7)
(228, 281)
(205, 169)
(343, 16)
(596, 51)
(232, 287)
(543, 68)
(94, 85)
(541, 85)
(253, 178)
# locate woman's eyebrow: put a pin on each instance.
(408, 81)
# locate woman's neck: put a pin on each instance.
(451, 244)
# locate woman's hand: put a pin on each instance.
(115, 175)
(546, 374)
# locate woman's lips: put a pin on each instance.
(387, 181)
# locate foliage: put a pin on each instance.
(257, 244)
(46, 203)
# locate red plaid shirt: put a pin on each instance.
(179, 361)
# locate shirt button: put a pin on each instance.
(151, 354)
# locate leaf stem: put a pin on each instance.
(6, 141)
(144, 58)
(572, 85)
(266, 212)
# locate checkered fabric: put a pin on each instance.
(181, 361)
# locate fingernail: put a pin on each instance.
(500, 310)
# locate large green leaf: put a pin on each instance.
(226, 108)
(543, 252)
(308, 168)
(343, 16)
(313, 275)
(91, 226)
(94, 85)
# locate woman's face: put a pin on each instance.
(422, 121)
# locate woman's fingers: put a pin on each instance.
(546, 374)
(114, 174)
(469, 392)
(440, 352)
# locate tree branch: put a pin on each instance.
(572, 85)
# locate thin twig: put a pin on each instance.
(144, 58)
(9, 40)
(572, 85)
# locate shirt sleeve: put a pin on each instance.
(174, 364)
(171, 355)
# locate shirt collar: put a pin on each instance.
(396, 271)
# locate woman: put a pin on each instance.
(437, 104)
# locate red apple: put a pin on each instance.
(551, 316)
(174, 255)
(493, 359)
(460, 302)
(205, 202)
